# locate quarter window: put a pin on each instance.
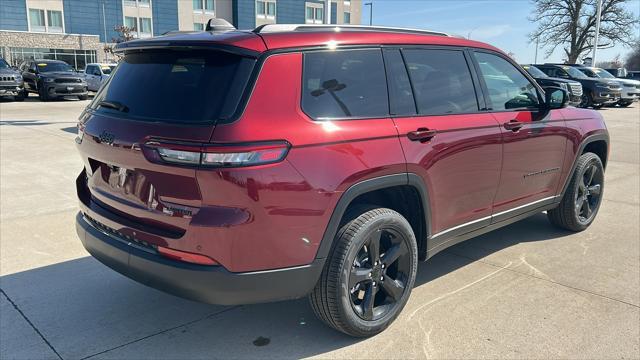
(508, 88)
(344, 84)
(441, 81)
(401, 100)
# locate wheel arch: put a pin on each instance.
(404, 193)
(597, 143)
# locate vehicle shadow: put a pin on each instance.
(85, 309)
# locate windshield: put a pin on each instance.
(575, 73)
(176, 86)
(54, 66)
(3, 64)
(603, 73)
(534, 71)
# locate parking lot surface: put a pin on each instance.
(524, 291)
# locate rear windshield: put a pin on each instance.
(190, 86)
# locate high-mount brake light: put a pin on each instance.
(217, 155)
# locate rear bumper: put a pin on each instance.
(210, 284)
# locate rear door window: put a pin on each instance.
(441, 80)
(176, 86)
(344, 84)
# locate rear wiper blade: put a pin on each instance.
(113, 105)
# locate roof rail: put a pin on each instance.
(272, 28)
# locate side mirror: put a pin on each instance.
(555, 98)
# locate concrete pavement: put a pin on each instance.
(524, 291)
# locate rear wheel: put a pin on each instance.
(581, 201)
(369, 275)
(83, 97)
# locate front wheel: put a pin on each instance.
(43, 94)
(581, 200)
(21, 96)
(369, 275)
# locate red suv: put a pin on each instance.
(235, 167)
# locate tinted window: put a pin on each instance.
(534, 71)
(3, 64)
(508, 88)
(441, 81)
(350, 83)
(177, 86)
(400, 94)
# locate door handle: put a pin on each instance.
(513, 125)
(422, 135)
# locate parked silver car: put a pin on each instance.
(96, 74)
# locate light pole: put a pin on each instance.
(370, 4)
(470, 31)
(595, 41)
(535, 61)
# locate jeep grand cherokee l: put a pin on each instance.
(596, 93)
(51, 79)
(630, 88)
(240, 167)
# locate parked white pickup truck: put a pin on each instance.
(96, 74)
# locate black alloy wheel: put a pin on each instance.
(379, 274)
(587, 197)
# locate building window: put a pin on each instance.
(207, 5)
(145, 27)
(131, 23)
(134, 3)
(55, 21)
(78, 59)
(36, 19)
(198, 26)
(314, 13)
(346, 18)
(265, 9)
(346, 3)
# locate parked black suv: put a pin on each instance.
(595, 92)
(573, 88)
(53, 78)
(11, 82)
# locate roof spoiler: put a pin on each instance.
(216, 24)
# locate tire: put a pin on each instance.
(624, 104)
(587, 101)
(21, 96)
(598, 107)
(348, 281)
(581, 201)
(83, 97)
(43, 95)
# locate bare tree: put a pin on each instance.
(571, 25)
(633, 60)
(125, 33)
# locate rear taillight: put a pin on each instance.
(207, 155)
(186, 256)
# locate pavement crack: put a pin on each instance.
(163, 331)
(544, 279)
(15, 306)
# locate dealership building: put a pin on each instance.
(77, 31)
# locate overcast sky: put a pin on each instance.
(502, 23)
